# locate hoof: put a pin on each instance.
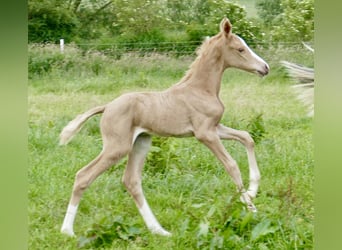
(246, 199)
(68, 232)
(160, 231)
(252, 208)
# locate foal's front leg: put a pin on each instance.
(132, 181)
(244, 138)
(212, 141)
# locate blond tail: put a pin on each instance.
(306, 78)
(76, 124)
(300, 73)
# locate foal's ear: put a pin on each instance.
(226, 26)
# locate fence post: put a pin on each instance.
(61, 43)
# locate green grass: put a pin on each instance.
(187, 188)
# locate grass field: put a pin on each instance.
(187, 188)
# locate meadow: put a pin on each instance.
(188, 189)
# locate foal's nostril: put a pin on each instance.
(267, 69)
(264, 71)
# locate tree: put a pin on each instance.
(181, 13)
(133, 21)
(211, 12)
(296, 22)
(268, 10)
(49, 21)
(140, 16)
(288, 20)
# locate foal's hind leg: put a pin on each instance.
(132, 181)
(247, 141)
(85, 177)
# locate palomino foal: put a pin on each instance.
(192, 107)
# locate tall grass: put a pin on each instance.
(188, 189)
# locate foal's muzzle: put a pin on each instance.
(264, 71)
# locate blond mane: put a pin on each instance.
(208, 47)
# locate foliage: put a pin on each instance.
(102, 234)
(139, 17)
(45, 59)
(269, 10)
(212, 14)
(240, 225)
(181, 13)
(289, 20)
(96, 19)
(256, 128)
(50, 21)
(298, 17)
(133, 21)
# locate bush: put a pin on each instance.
(268, 10)
(45, 59)
(214, 13)
(298, 18)
(197, 32)
(41, 59)
(48, 24)
(135, 22)
(289, 20)
(145, 42)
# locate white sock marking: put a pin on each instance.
(151, 221)
(68, 223)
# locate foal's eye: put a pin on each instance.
(241, 50)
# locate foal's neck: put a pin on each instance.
(205, 74)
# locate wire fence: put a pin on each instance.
(181, 48)
(169, 48)
(93, 57)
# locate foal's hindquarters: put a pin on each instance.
(120, 138)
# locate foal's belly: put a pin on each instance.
(169, 129)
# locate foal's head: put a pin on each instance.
(236, 52)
